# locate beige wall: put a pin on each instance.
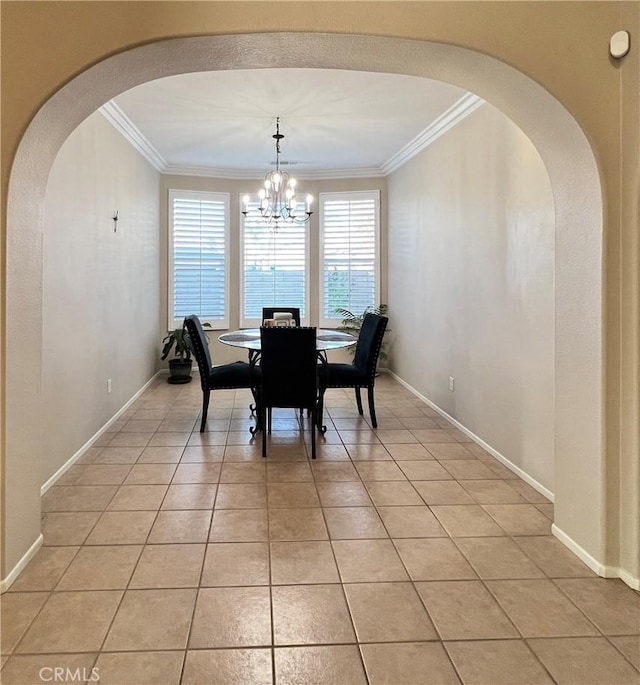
(626, 442)
(236, 189)
(100, 287)
(560, 45)
(471, 259)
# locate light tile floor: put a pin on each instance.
(402, 555)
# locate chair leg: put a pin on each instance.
(359, 401)
(263, 413)
(269, 413)
(314, 418)
(372, 407)
(320, 412)
(205, 408)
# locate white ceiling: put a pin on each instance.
(333, 120)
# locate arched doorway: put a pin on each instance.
(579, 457)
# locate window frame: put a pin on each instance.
(255, 323)
(334, 322)
(174, 193)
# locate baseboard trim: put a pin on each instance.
(582, 554)
(602, 570)
(479, 441)
(7, 582)
(630, 580)
(72, 460)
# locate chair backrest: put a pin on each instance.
(369, 343)
(200, 347)
(268, 312)
(288, 364)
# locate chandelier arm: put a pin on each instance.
(278, 203)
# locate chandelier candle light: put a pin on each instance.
(278, 202)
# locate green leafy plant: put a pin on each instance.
(180, 340)
(352, 323)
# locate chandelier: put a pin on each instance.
(278, 202)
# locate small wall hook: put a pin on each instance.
(115, 221)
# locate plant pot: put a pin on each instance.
(179, 371)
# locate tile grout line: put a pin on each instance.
(415, 589)
(450, 537)
(409, 577)
(128, 584)
(272, 650)
(340, 578)
(613, 644)
(136, 565)
(202, 565)
(342, 583)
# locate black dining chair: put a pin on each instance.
(222, 377)
(268, 312)
(289, 377)
(362, 372)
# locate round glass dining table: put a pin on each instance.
(326, 339)
(249, 339)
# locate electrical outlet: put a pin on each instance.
(451, 383)
(108, 385)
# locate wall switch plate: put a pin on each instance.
(108, 385)
(451, 383)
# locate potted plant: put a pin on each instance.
(352, 323)
(180, 365)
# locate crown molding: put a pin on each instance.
(121, 122)
(211, 171)
(361, 172)
(461, 109)
(258, 174)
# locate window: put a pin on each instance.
(349, 245)
(273, 267)
(198, 257)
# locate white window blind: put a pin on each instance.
(349, 245)
(198, 257)
(274, 267)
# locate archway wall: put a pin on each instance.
(629, 511)
(41, 52)
(550, 127)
